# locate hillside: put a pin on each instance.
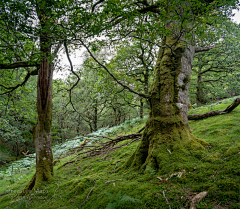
(102, 181)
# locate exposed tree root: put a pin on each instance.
(37, 179)
(29, 186)
(229, 109)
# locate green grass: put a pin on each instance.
(215, 169)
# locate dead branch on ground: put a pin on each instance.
(229, 109)
(109, 145)
(86, 197)
(107, 182)
(102, 147)
(197, 199)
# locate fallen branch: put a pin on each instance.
(166, 199)
(103, 147)
(86, 197)
(4, 194)
(141, 129)
(229, 109)
(109, 145)
(197, 199)
(26, 155)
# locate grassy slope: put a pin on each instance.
(215, 169)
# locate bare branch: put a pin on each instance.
(78, 78)
(203, 49)
(229, 109)
(15, 87)
(99, 2)
(108, 71)
(19, 64)
(86, 197)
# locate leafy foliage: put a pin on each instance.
(118, 201)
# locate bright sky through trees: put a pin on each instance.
(77, 57)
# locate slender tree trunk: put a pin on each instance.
(95, 120)
(200, 99)
(167, 135)
(141, 107)
(42, 130)
(16, 150)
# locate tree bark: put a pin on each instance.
(141, 107)
(95, 118)
(167, 128)
(42, 130)
(200, 95)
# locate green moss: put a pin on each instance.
(213, 169)
(233, 150)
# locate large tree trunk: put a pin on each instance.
(42, 130)
(167, 136)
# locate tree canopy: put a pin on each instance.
(33, 32)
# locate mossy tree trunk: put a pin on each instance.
(42, 130)
(167, 135)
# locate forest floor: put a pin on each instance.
(99, 181)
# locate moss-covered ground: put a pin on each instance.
(215, 169)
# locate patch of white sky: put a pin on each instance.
(77, 57)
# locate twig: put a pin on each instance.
(116, 165)
(197, 199)
(106, 146)
(141, 129)
(107, 182)
(25, 154)
(86, 197)
(166, 199)
(54, 192)
(169, 151)
(4, 194)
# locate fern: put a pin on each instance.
(119, 200)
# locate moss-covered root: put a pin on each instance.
(37, 180)
(163, 148)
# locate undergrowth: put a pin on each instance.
(101, 183)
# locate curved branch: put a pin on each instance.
(203, 49)
(99, 2)
(229, 109)
(19, 64)
(108, 71)
(78, 79)
(15, 87)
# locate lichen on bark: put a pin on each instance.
(167, 137)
